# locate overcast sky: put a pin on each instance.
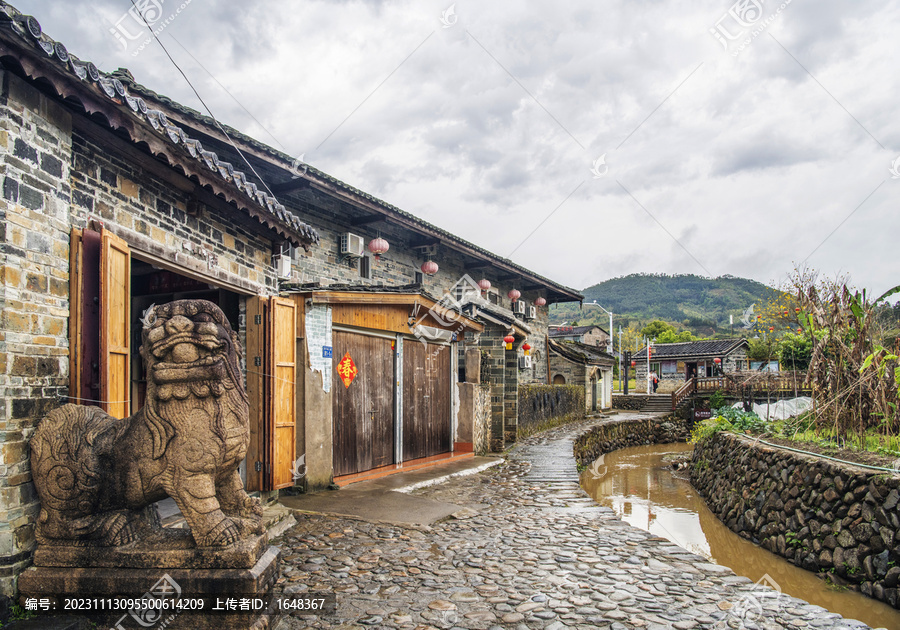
(696, 137)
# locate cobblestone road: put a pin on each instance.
(529, 550)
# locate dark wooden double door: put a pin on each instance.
(364, 412)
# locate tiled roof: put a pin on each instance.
(580, 353)
(121, 97)
(569, 331)
(690, 349)
(314, 174)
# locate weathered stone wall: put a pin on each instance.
(616, 434)
(481, 426)
(540, 405)
(821, 515)
(629, 402)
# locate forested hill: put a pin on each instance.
(691, 302)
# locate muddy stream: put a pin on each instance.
(645, 492)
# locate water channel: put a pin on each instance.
(645, 492)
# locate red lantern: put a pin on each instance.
(771, 329)
(378, 246)
(759, 317)
(514, 294)
(717, 360)
(484, 285)
(429, 268)
(526, 347)
(799, 330)
(797, 310)
(539, 301)
(508, 340)
(785, 312)
(634, 364)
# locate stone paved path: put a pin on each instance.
(531, 551)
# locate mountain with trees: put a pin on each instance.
(699, 305)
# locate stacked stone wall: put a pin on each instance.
(616, 434)
(542, 405)
(837, 519)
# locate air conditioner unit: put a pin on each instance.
(352, 245)
(519, 307)
(532, 312)
(524, 362)
(283, 266)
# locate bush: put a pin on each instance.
(742, 420)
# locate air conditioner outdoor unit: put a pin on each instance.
(283, 266)
(519, 307)
(532, 312)
(524, 362)
(352, 245)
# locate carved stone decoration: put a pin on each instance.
(97, 475)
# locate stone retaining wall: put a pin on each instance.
(542, 405)
(629, 402)
(614, 435)
(821, 515)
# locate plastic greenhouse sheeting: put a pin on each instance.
(782, 409)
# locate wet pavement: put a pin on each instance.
(527, 549)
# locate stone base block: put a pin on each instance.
(98, 582)
(162, 549)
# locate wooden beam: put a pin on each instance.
(291, 185)
(424, 242)
(481, 264)
(372, 218)
(354, 297)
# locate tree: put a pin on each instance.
(656, 328)
(795, 351)
(670, 336)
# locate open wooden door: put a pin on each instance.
(272, 390)
(115, 325)
(256, 392)
(283, 387)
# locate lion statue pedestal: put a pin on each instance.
(99, 477)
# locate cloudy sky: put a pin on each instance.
(586, 140)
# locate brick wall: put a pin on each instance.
(53, 179)
(35, 147)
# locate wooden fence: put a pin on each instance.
(737, 384)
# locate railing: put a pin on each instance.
(736, 383)
(688, 389)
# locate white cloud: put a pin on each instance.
(750, 163)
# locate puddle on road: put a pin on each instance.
(645, 492)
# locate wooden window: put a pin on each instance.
(365, 267)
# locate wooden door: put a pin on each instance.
(363, 412)
(272, 391)
(426, 400)
(282, 389)
(115, 325)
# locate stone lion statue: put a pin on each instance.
(97, 475)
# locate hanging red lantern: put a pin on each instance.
(634, 364)
(514, 294)
(509, 339)
(378, 246)
(484, 285)
(797, 310)
(759, 317)
(539, 301)
(785, 312)
(429, 268)
(717, 360)
(771, 329)
(527, 348)
(799, 330)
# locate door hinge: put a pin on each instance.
(258, 466)
(257, 319)
(257, 361)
